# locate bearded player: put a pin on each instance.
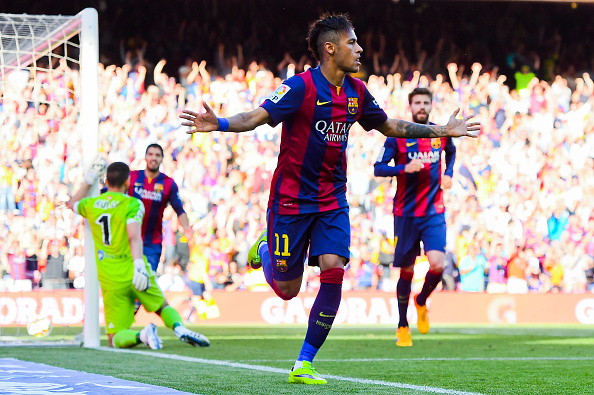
(418, 209)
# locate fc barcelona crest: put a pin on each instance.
(281, 265)
(436, 143)
(353, 105)
(158, 187)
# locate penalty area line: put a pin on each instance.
(413, 387)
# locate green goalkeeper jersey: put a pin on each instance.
(109, 215)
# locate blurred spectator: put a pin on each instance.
(76, 266)
(55, 273)
(171, 279)
(517, 270)
(472, 270)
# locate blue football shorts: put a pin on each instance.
(153, 254)
(290, 237)
(410, 231)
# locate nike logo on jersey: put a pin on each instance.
(326, 315)
(409, 144)
(321, 103)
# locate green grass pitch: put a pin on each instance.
(469, 359)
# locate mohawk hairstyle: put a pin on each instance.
(327, 28)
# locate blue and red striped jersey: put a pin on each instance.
(155, 195)
(417, 194)
(311, 173)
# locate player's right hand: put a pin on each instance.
(200, 122)
(140, 278)
(413, 166)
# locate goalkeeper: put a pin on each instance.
(115, 219)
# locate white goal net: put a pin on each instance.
(48, 135)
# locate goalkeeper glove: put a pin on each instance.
(96, 170)
(140, 279)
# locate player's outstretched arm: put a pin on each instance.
(208, 121)
(81, 193)
(410, 130)
(93, 173)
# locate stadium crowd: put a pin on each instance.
(520, 214)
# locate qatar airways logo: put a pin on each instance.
(334, 131)
(150, 195)
(426, 157)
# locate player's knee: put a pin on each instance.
(437, 267)
(287, 290)
(331, 261)
(436, 261)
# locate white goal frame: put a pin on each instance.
(20, 47)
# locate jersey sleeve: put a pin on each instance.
(382, 167)
(450, 157)
(81, 207)
(135, 211)
(175, 200)
(372, 115)
(285, 100)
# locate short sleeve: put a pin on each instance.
(372, 115)
(81, 206)
(135, 211)
(285, 100)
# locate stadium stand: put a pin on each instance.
(520, 192)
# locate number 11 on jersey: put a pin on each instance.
(285, 251)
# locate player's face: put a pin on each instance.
(420, 107)
(153, 159)
(348, 53)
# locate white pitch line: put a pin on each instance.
(422, 388)
(435, 359)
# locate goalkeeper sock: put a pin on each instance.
(170, 317)
(126, 338)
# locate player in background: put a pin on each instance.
(307, 208)
(115, 219)
(418, 208)
(156, 190)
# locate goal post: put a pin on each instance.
(89, 127)
(25, 40)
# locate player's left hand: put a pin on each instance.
(461, 127)
(140, 278)
(446, 182)
(96, 170)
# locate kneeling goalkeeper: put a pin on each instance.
(115, 219)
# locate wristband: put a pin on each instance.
(223, 124)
